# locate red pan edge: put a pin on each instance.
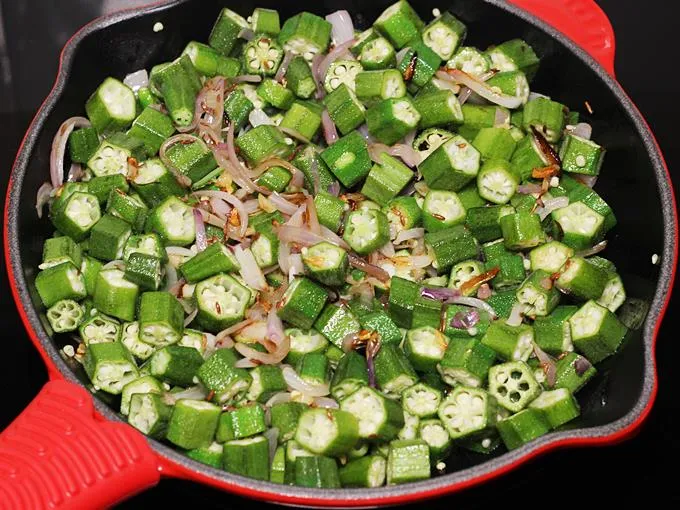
(170, 468)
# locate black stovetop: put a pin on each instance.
(32, 33)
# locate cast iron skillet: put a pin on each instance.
(68, 449)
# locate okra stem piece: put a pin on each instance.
(111, 107)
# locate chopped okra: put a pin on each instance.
(313, 261)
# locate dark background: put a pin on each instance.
(32, 33)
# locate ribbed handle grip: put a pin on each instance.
(583, 21)
(58, 454)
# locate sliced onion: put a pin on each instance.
(210, 110)
(452, 296)
(220, 208)
(257, 117)
(484, 291)
(370, 269)
(402, 52)
(137, 80)
(246, 34)
(330, 132)
(183, 139)
(270, 358)
(251, 205)
(201, 241)
(313, 218)
(247, 78)
(76, 172)
(249, 270)
(594, 250)
(275, 331)
(293, 133)
(551, 205)
(59, 148)
(114, 264)
(171, 279)
(272, 436)
(283, 68)
(405, 152)
(407, 235)
(284, 257)
(282, 204)
(443, 294)
(332, 56)
(547, 364)
(582, 365)
(588, 180)
(235, 328)
(316, 178)
(363, 131)
(583, 130)
(43, 197)
(474, 302)
(502, 118)
(326, 402)
(295, 266)
(342, 27)
(529, 188)
(465, 320)
(464, 95)
(332, 237)
(246, 363)
(334, 188)
(191, 317)
(316, 64)
(296, 383)
(197, 392)
(278, 398)
(480, 88)
(302, 236)
(516, 315)
(388, 250)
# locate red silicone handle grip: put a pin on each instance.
(583, 21)
(59, 454)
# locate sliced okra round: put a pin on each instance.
(467, 411)
(65, 315)
(513, 385)
(339, 72)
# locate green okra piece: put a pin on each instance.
(326, 431)
(316, 471)
(514, 55)
(510, 342)
(65, 315)
(101, 187)
(410, 429)
(240, 423)
(309, 160)
(279, 468)
(442, 209)
(399, 23)
(511, 83)
(422, 400)
(146, 244)
(266, 249)
(468, 412)
(265, 21)
(434, 433)
(408, 461)
(381, 323)
(149, 414)
(247, 457)
(275, 94)
(450, 246)
(518, 429)
(452, 165)
(546, 116)
(403, 294)
(444, 34)
(108, 237)
(226, 30)
(526, 157)
(469, 60)
(511, 274)
(216, 258)
(304, 342)
(550, 257)
(209, 62)
(109, 366)
(152, 128)
(275, 178)
(154, 182)
(495, 143)
(221, 301)
(366, 230)
(362, 39)
(348, 159)
(178, 84)
(161, 318)
(142, 385)
(426, 312)
(469, 196)
(425, 347)
(111, 107)
(369, 471)
(300, 79)
(538, 294)
(502, 302)
(344, 109)
(580, 226)
(557, 406)
(76, 215)
(302, 303)
(596, 332)
(497, 181)
(330, 210)
(208, 455)
(513, 385)
(115, 295)
(581, 156)
(266, 381)
(573, 372)
(58, 250)
(386, 180)
(553, 333)
(99, 328)
(522, 230)
(193, 423)
(335, 322)
(393, 371)
(484, 222)
(263, 142)
(303, 118)
(439, 108)
(341, 72)
(195, 160)
(582, 280)
(314, 368)
(175, 364)
(285, 417)
(305, 34)
(466, 362)
(403, 213)
(350, 375)
(219, 376)
(144, 270)
(173, 221)
(375, 86)
(392, 119)
(128, 208)
(326, 263)
(237, 107)
(378, 54)
(82, 144)
(379, 417)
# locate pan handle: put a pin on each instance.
(59, 453)
(583, 21)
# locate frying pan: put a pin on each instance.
(68, 449)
